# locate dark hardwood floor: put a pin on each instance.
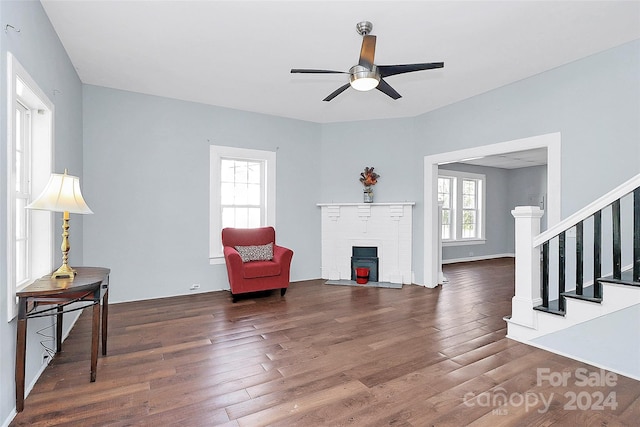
(326, 355)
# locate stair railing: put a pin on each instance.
(533, 283)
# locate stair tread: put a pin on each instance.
(554, 308)
(625, 279)
(587, 295)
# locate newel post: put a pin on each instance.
(527, 294)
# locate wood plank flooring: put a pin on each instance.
(325, 356)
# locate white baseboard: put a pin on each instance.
(477, 258)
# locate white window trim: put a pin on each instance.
(456, 208)
(42, 224)
(217, 152)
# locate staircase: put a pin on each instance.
(583, 269)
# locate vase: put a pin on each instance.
(368, 195)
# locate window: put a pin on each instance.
(461, 196)
(242, 192)
(29, 154)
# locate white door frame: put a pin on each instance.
(551, 141)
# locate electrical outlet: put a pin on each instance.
(194, 286)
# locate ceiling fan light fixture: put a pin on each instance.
(363, 79)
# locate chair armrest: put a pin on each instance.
(232, 256)
(234, 265)
(282, 256)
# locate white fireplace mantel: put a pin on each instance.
(387, 226)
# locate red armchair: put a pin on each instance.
(251, 266)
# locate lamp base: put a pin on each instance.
(64, 272)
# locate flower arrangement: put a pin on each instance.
(369, 177)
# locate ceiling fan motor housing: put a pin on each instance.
(363, 79)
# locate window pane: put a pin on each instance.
(446, 231)
(446, 216)
(242, 218)
(227, 170)
(19, 172)
(468, 224)
(469, 194)
(240, 172)
(228, 217)
(254, 174)
(240, 194)
(444, 192)
(253, 194)
(254, 217)
(21, 261)
(18, 130)
(21, 219)
(468, 187)
(468, 202)
(443, 185)
(227, 193)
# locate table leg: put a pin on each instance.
(21, 349)
(105, 321)
(59, 329)
(95, 332)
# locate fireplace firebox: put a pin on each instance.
(365, 256)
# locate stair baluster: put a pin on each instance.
(597, 250)
(617, 252)
(561, 270)
(545, 274)
(579, 261)
(636, 235)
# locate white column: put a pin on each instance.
(441, 277)
(527, 293)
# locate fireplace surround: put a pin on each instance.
(384, 226)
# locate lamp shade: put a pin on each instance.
(62, 194)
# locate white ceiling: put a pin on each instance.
(514, 160)
(238, 54)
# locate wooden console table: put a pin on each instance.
(91, 285)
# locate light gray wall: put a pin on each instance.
(527, 187)
(40, 52)
(147, 167)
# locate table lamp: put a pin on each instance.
(62, 194)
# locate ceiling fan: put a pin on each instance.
(366, 75)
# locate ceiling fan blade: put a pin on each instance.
(337, 92)
(368, 51)
(311, 71)
(385, 88)
(391, 70)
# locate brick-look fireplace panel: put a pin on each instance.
(386, 226)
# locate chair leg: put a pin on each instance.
(283, 291)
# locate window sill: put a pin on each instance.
(464, 242)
